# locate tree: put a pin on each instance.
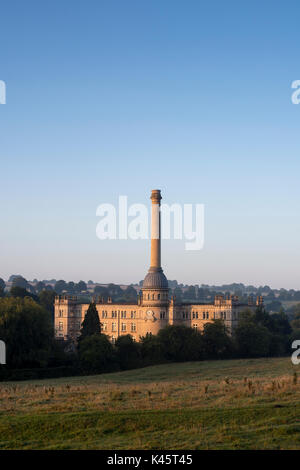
(190, 293)
(130, 294)
(180, 343)
(151, 351)
(22, 293)
(60, 286)
(296, 317)
(217, 343)
(26, 329)
(96, 354)
(252, 340)
(80, 286)
(128, 352)
(281, 324)
(2, 287)
(178, 294)
(20, 281)
(40, 286)
(91, 323)
(46, 299)
(71, 287)
(100, 290)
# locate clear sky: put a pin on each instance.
(109, 98)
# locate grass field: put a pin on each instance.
(232, 404)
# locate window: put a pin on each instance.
(113, 327)
(104, 326)
(114, 314)
(60, 313)
(60, 326)
(195, 326)
(123, 314)
(203, 315)
(133, 327)
(153, 297)
(207, 315)
(133, 314)
(158, 296)
(104, 314)
(123, 327)
(162, 315)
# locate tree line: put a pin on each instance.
(26, 326)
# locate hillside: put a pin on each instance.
(232, 404)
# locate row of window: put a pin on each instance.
(123, 327)
(205, 315)
(162, 296)
(114, 314)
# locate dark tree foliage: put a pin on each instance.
(130, 294)
(128, 352)
(22, 293)
(102, 291)
(20, 281)
(252, 340)
(180, 343)
(216, 341)
(46, 299)
(80, 287)
(2, 284)
(91, 323)
(40, 286)
(97, 354)
(26, 329)
(60, 286)
(151, 350)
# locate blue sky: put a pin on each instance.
(109, 98)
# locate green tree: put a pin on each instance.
(46, 299)
(180, 343)
(20, 281)
(17, 291)
(96, 354)
(40, 286)
(296, 317)
(91, 323)
(128, 352)
(252, 340)
(130, 294)
(26, 329)
(151, 351)
(216, 341)
(80, 287)
(2, 287)
(60, 286)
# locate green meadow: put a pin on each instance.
(230, 404)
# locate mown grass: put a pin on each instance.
(236, 404)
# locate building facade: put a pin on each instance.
(154, 309)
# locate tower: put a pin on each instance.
(155, 290)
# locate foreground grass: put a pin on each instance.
(237, 404)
